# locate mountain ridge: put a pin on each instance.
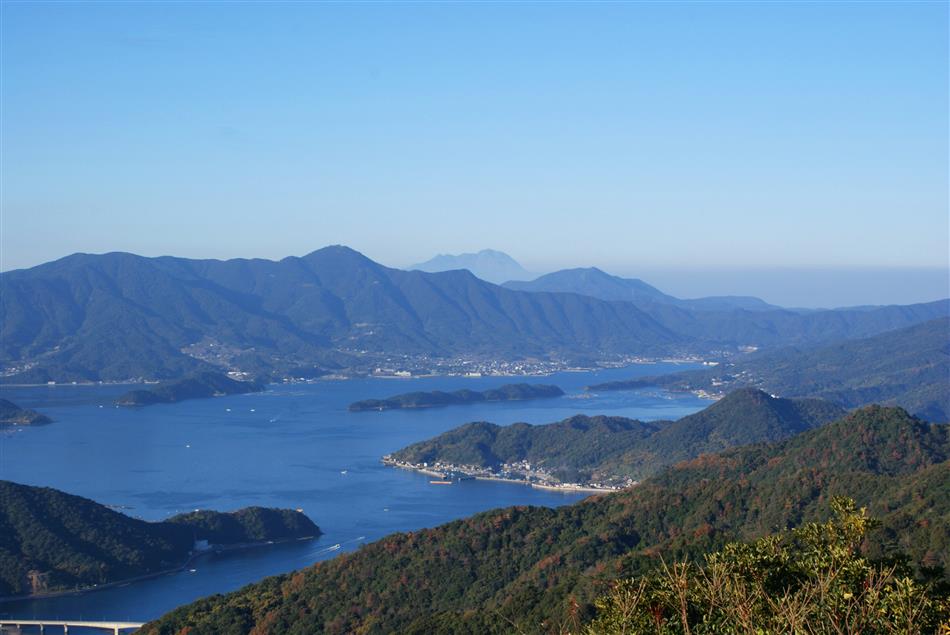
(321, 307)
(120, 316)
(597, 283)
(909, 367)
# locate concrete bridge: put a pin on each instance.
(17, 627)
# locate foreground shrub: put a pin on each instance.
(812, 580)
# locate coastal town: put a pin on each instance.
(242, 363)
(520, 473)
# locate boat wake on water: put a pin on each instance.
(340, 545)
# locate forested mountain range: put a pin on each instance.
(119, 316)
(526, 569)
(51, 540)
(614, 449)
(593, 282)
(907, 367)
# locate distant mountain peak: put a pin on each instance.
(490, 265)
(335, 250)
(747, 395)
(494, 252)
(596, 283)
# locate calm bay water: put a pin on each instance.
(291, 446)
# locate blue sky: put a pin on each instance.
(631, 136)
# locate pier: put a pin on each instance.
(14, 626)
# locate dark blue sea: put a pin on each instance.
(293, 446)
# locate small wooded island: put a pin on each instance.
(55, 542)
(12, 414)
(199, 386)
(434, 398)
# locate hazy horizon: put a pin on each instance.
(635, 137)
(793, 287)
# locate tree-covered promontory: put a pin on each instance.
(615, 449)
(54, 541)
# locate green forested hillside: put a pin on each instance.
(742, 417)
(908, 367)
(50, 540)
(528, 569)
(614, 449)
(572, 450)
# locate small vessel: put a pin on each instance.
(334, 547)
(343, 471)
(192, 570)
(440, 482)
